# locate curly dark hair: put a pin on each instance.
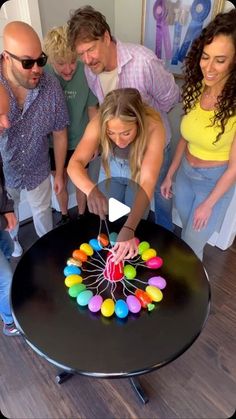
(223, 24)
(85, 25)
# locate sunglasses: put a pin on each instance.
(28, 63)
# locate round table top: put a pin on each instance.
(73, 338)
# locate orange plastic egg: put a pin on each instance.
(80, 255)
(103, 239)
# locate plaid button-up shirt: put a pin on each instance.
(24, 146)
(139, 67)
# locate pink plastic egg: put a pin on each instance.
(154, 263)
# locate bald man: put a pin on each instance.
(37, 108)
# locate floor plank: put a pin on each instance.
(199, 384)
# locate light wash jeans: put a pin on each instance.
(5, 276)
(192, 187)
(39, 200)
(119, 186)
(163, 206)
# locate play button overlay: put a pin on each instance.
(118, 200)
(117, 209)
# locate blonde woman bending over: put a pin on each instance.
(131, 137)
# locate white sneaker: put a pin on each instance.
(17, 249)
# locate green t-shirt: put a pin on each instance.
(78, 97)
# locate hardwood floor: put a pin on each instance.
(199, 384)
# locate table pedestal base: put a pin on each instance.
(64, 376)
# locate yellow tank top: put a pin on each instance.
(196, 130)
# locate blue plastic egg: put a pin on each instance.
(72, 269)
(84, 297)
(94, 243)
(121, 309)
(113, 238)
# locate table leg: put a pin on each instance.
(63, 376)
(138, 389)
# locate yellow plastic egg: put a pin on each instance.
(86, 249)
(154, 292)
(148, 254)
(108, 307)
(73, 279)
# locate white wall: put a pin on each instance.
(57, 12)
(123, 16)
(128, 20)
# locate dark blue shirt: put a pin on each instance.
(24, 146)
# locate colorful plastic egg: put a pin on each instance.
(86, 248)
(148, 254)
(76, 290)
(129, 271)
(143, 246)
(113, 237)
(137, 241)
(143, 297)
(95, 303)
(73, 261)
(121, 309)
(95, 245)
(154, 263)
(153, 292)
(133, 303)
(72, 280)
(84, 297)
(108, 307)
(79, 255)
(158, 282)
(72, 269)
(103, 239)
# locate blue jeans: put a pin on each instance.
(163, 206)
(5, 276)
(119, 186)
(193, 185)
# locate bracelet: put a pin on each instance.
(129, 228)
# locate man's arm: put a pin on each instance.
(60, 144)
(162, 83)
(4, 109)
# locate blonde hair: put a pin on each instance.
(56, 45)
(127, 105)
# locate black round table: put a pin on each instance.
(78, 341)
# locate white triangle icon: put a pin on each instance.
(116, 209)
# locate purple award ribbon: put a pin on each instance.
(160, 13)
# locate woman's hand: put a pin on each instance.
(166, 188)
(201, 216)
(126, 246)
(97, 203)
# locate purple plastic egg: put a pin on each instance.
(158, 282)
(95, 303)
(133, 304)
